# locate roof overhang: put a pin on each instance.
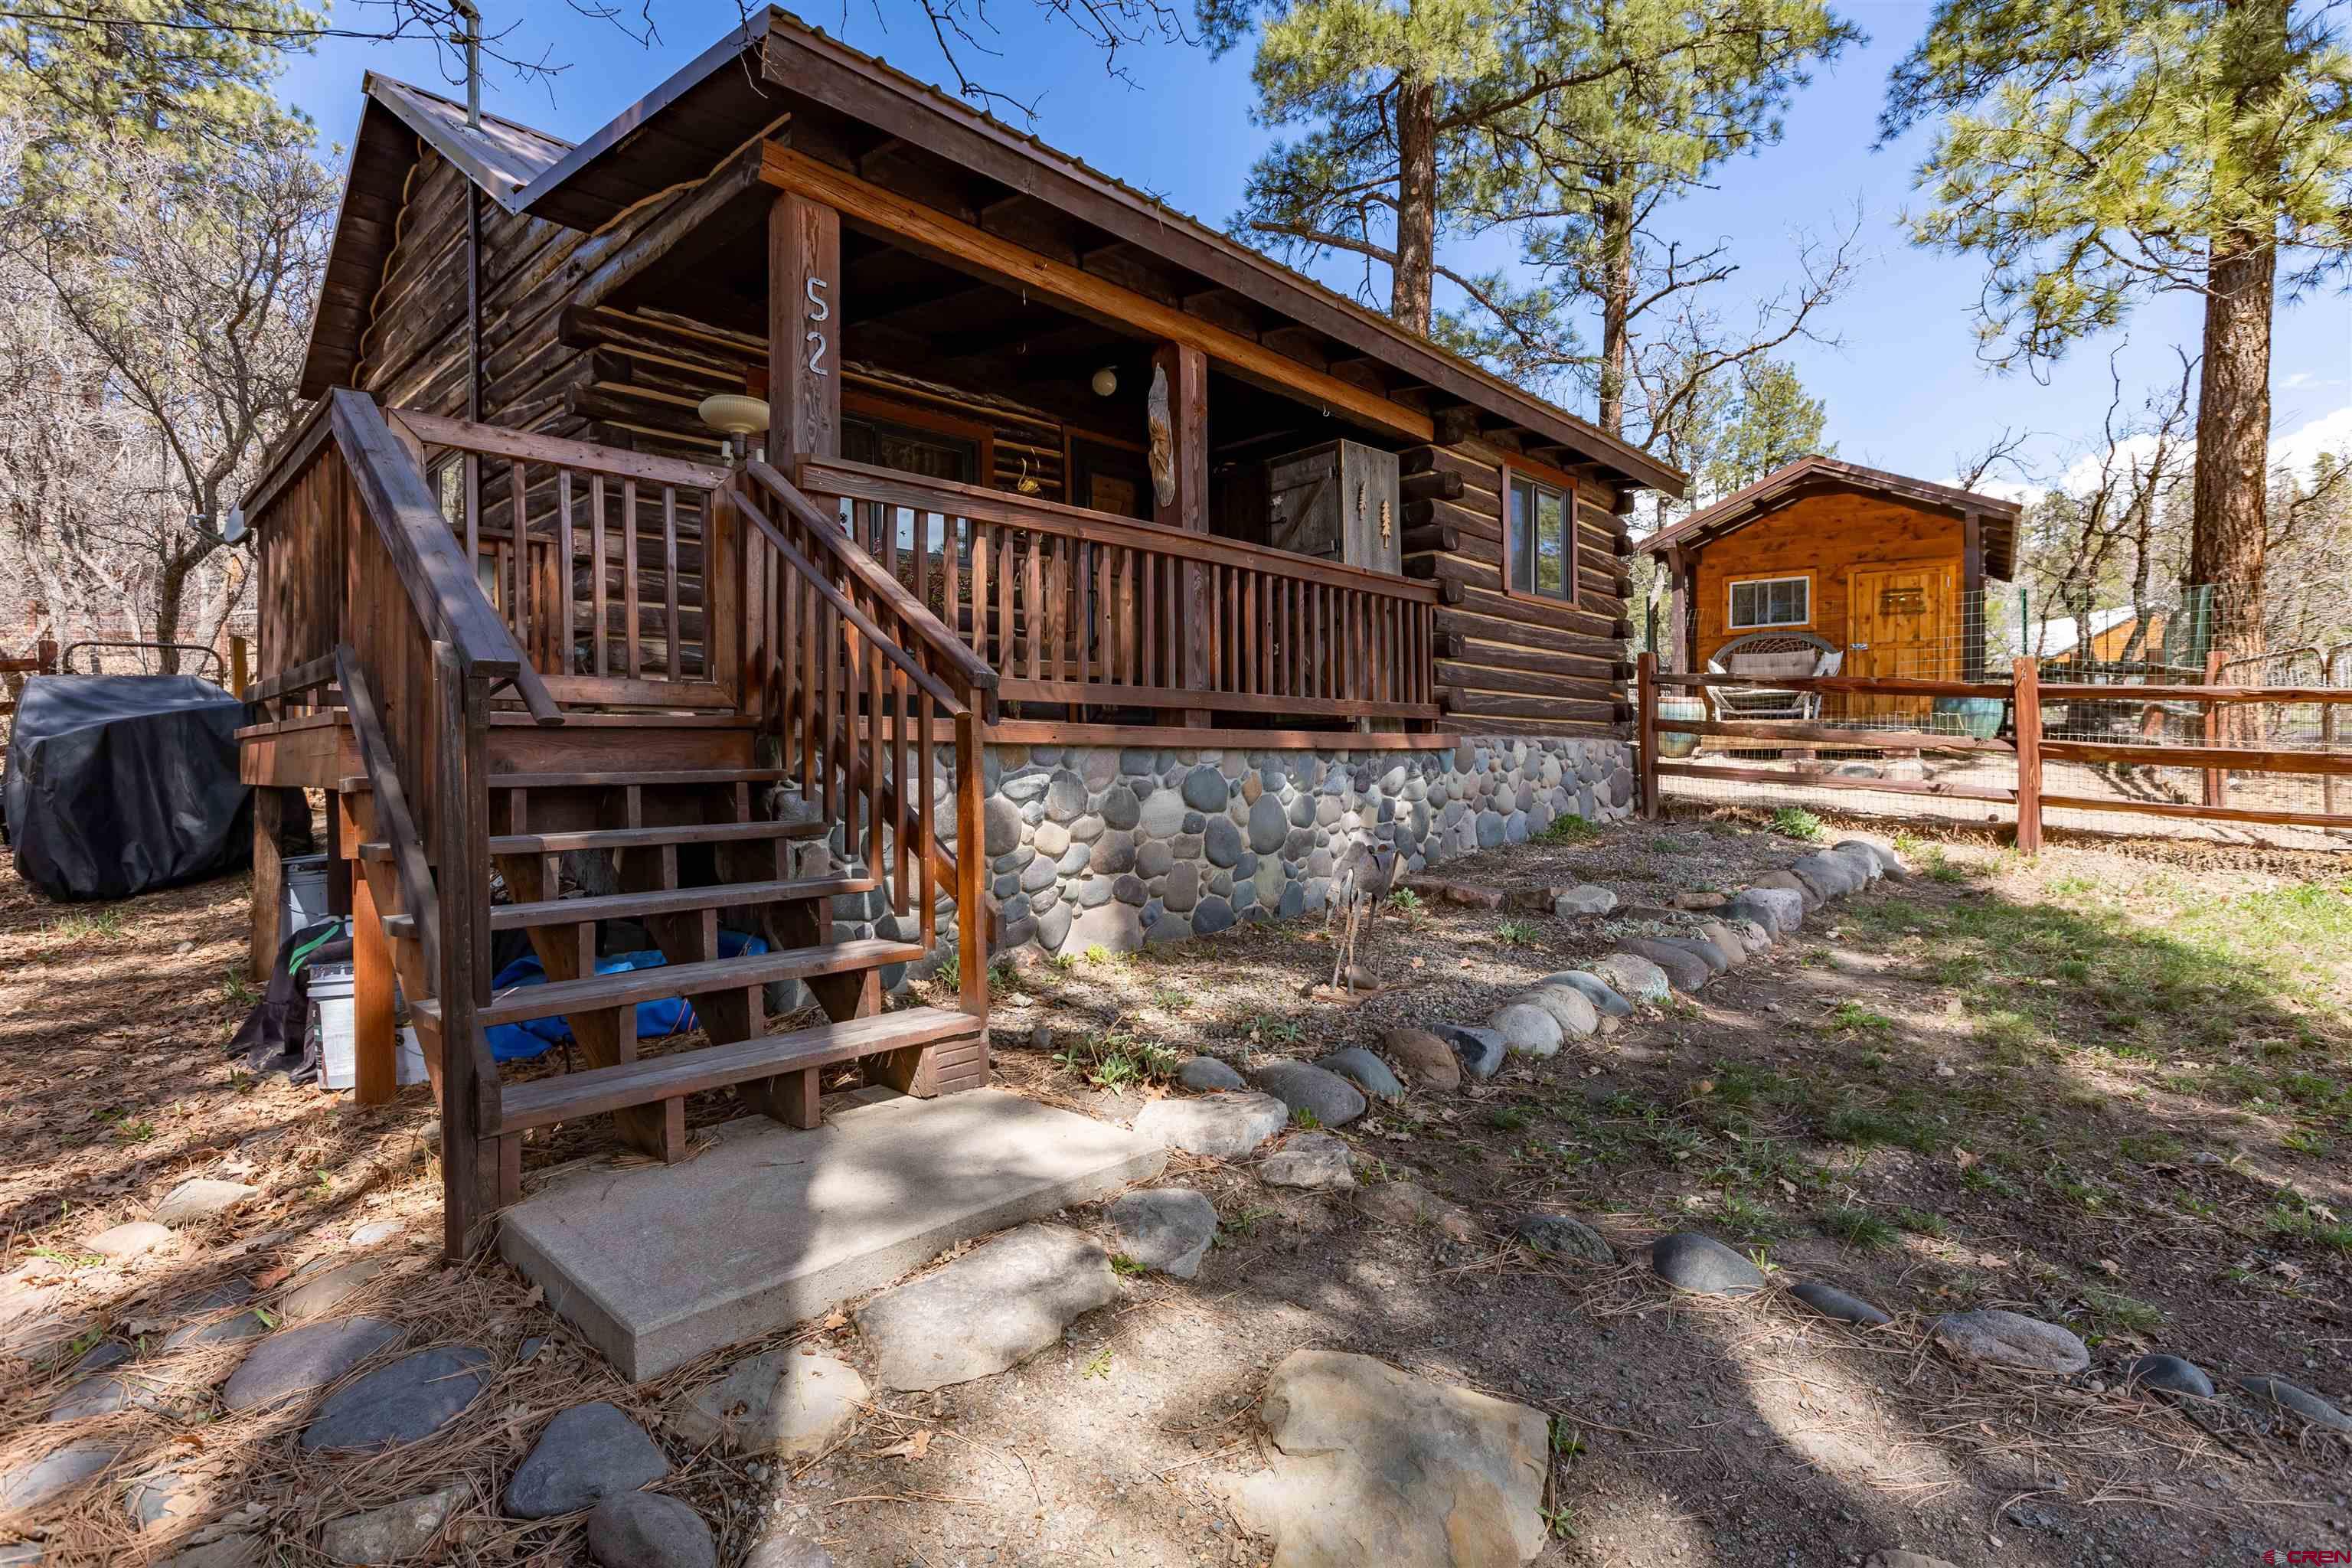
(395, 120)
(1812, 475)
(753, 78)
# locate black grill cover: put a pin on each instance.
(119, 783)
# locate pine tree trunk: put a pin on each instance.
(1412, 281)
(1616, 222)
(2234, 423)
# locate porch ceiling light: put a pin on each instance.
(732, 414)
(1104, 382)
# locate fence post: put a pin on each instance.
(1645, 730)
(2217, 782)
(2027, 722)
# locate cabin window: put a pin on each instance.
(913, 449)
(1772, 602)
(1536, 557)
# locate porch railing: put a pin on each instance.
(1083, 609)
(372, 608)
(862, 685)
(614, 571)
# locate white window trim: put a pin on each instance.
(1731, 601)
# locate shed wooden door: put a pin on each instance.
(1899, 623)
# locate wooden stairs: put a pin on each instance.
(683, 846)
(601, 776)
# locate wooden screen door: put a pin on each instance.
(1898, 624)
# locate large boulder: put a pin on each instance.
(1425, 1058)
(1631, 976)
(1373, 1465)
(1592, 988)
(1331, 1100)
(989, 1309)
(1220, 1126)
(1890, 864)
(1703, 1266)
(1569, 1008)
(1527, 1029)
(1829, 876)
(1779, 910)
(1789, 881)
(1684, 970)
(1165, 1229)
(1996, 1338)
(1480, 1051)
(781, 1403)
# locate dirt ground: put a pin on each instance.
(2107, 1086)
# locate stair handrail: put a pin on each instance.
(432, 565)
(962, 684)
(975, 673)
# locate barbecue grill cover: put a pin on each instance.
(119, 784)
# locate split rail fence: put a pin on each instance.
(2187, 752)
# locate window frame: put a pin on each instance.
(1540, 477)
(1732, 585)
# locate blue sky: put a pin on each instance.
(1904, 388)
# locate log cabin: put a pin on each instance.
(810, 510)
(1826, 557)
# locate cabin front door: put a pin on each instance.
(1898, 625)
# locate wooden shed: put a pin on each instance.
(1886, 571)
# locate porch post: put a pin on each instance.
(1678, 613)
(1187, 370)
(803, 331)
(1972, 604)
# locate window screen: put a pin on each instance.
(1772, 602)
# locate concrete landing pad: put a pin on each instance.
(656, 1266)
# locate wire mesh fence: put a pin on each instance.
(2147, 721)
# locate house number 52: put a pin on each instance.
(817, 310)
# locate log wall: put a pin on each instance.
(1509, 663)
(631, 375)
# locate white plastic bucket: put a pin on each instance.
(331, 994)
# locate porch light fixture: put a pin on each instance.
(1104, 382)
(733, 415)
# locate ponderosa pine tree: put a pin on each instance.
(2102, 152)
(1574, 122)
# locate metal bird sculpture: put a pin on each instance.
(1363, 877)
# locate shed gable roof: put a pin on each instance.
(1814, 475)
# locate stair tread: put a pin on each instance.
(595, 1090)
(631, 837)
(628, 987)
(358, 784)
(659, 901)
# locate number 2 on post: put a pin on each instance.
(818, 310)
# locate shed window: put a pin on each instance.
(1540, 539)
(1772, 602)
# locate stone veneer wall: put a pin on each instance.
(1116, 847)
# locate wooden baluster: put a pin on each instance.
(840, 730)
(629, 575)
(923, 520)
(925, 823)
(981, 645)
(950, 577)
(1131, 646)
(872, 750)
(675, 663)
(1032, 596)
(1008, 647)
(564, 549)
(518, 554)
(597, 584)
(902, 692)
